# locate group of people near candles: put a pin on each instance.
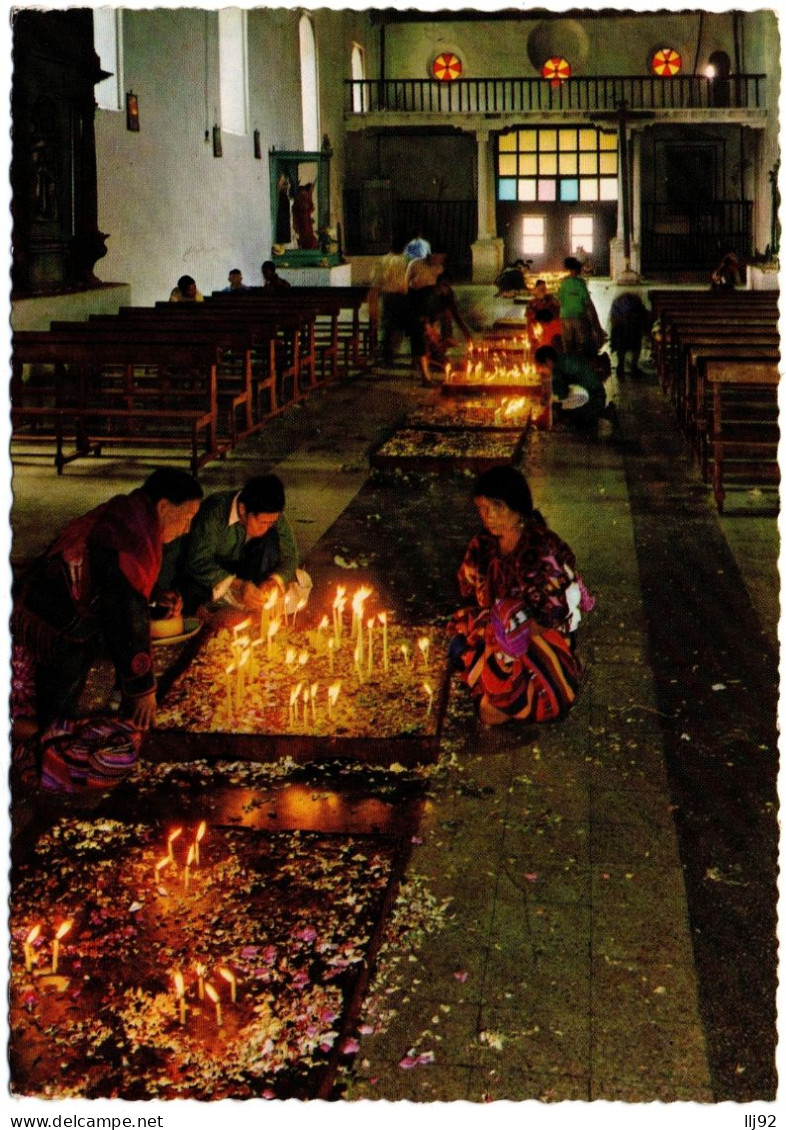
(165, 548)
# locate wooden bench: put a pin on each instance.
(741, 433)
(75, 408)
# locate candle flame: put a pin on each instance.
(173, 835)
(294, 694)
(324, 623)
(244, 658)
(382, 617)
(180, 987)
(339, 602)
(241, 627)
(358, 600)
(314, 689)
(211, 992)
(370, 622)
(290, 656)
(31, 937)
(333, 692)
(273, 627)
(303, 658)
(201, 831)
(230, 669)
(227, 974)
(162, 863)
(427, 687)
(199, 969)
(271, 601)
(64, 928)
(190, 856)
(331, 643)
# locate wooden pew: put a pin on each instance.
(738, 439)
(75, 409)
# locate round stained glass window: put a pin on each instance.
(556, 69)
(666, 62)
(446, 67)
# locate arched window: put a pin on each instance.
(309, 86)
(358, 71)
(232, 55)
(108, 44)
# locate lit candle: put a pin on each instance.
(229, 976)
(331, 652)
(405, 653)
(358, 600)
(187, 872)
(200, 834)
(159, 867)
(31, 937)
(306, 696)
(290, 656)
(271, 632)
(294, 694)
(200, 971)
(370, 626)
(427, 687)
(359, 656)
(423, 644)
(338, 609)
(172, 837)
(333, 692)
(241, 676)
(324, 624)
(61, 933)
(383, 619)
(229, 672)
(267, 608)
(241, 627)
(300, 604)
(213, 995)
(180, 993)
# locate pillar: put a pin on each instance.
(488, 249)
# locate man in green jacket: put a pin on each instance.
(565, 370)
(240, 549)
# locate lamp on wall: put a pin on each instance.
(218, 150)
(132, 112)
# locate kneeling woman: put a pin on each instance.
(513, 644)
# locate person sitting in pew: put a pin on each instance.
(91, 593)
(273, 281)
(241, 551)
(186, 291)
(236, 284)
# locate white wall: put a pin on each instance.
(172, 208)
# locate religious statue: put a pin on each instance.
(302, 212)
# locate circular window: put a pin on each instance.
(446, 67)
(666, 62)
(556, 70)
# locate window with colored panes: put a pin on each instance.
(566, 165)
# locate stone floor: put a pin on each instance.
(610, 881)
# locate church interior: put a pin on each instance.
(317, 867)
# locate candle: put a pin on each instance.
(427, 687)
(300, 604)
(241, 676)
(200, 971)
(294, 694)
(213, 995)
(159, 867)
(333, 692)
(271, 632)
(172, 837)
(338, 609)
(314, 689)
(359, 657)
(180, 993)
(361, 596)
(31, 937)
(200, 833)
(423, 644)
(383, 619)
(267, 608)
(331, 652)
(187, 872)
(61, 933)
(370, 626)
(405, 653)
(229, 672)
(229, 976)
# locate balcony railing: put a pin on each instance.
(531, 95)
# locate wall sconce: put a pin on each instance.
(257, 145)
(218, 150)
(132, 112)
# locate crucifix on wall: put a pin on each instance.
(621, 116)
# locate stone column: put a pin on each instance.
(488, 249)
(619, 269)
